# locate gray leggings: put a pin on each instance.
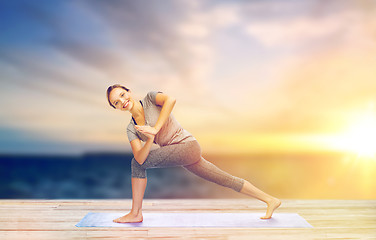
(188, 155)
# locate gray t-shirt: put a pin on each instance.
(170, 133)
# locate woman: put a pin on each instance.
(152, 122)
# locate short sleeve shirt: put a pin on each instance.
(170, 133)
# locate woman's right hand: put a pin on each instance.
(144, 130)
(148, 135)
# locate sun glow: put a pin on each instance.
(361, 137)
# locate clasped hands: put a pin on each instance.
(148, 131)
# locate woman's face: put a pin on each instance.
(121, 99)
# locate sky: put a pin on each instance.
(248, 76)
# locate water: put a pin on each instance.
(91, 176)
(108, 176)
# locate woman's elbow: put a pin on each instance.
(136, 158)
(140, 161)
(172, 100)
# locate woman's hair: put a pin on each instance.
(110, 88)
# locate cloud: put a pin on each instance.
(37, 73)
(145, 27)
(241, 65)
(292, 32)
(323, 92)
(318, 23)
(173, 35)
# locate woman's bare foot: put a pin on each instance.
(272, 205)
(129, 218)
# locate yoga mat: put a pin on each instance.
(222, 220)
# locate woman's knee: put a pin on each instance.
(195, 154)
(137, 170)
(195, 161)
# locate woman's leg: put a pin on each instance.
(189, 155)
(210, 172)
(138, 190)
(272, 202)
(167, 156)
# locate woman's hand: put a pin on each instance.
(147, 130)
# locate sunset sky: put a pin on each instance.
(248, 76)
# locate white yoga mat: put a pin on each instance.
(222, 220)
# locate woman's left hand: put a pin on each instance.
(146, 129)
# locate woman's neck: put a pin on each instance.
(137, 109)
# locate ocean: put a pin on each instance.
(108, 176)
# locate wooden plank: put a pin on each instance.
(55, 219)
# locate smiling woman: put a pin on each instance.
(153, 122)
(113, 104)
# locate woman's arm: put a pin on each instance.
(141, 153)
(167, 104)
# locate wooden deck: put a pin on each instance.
(56, 219)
